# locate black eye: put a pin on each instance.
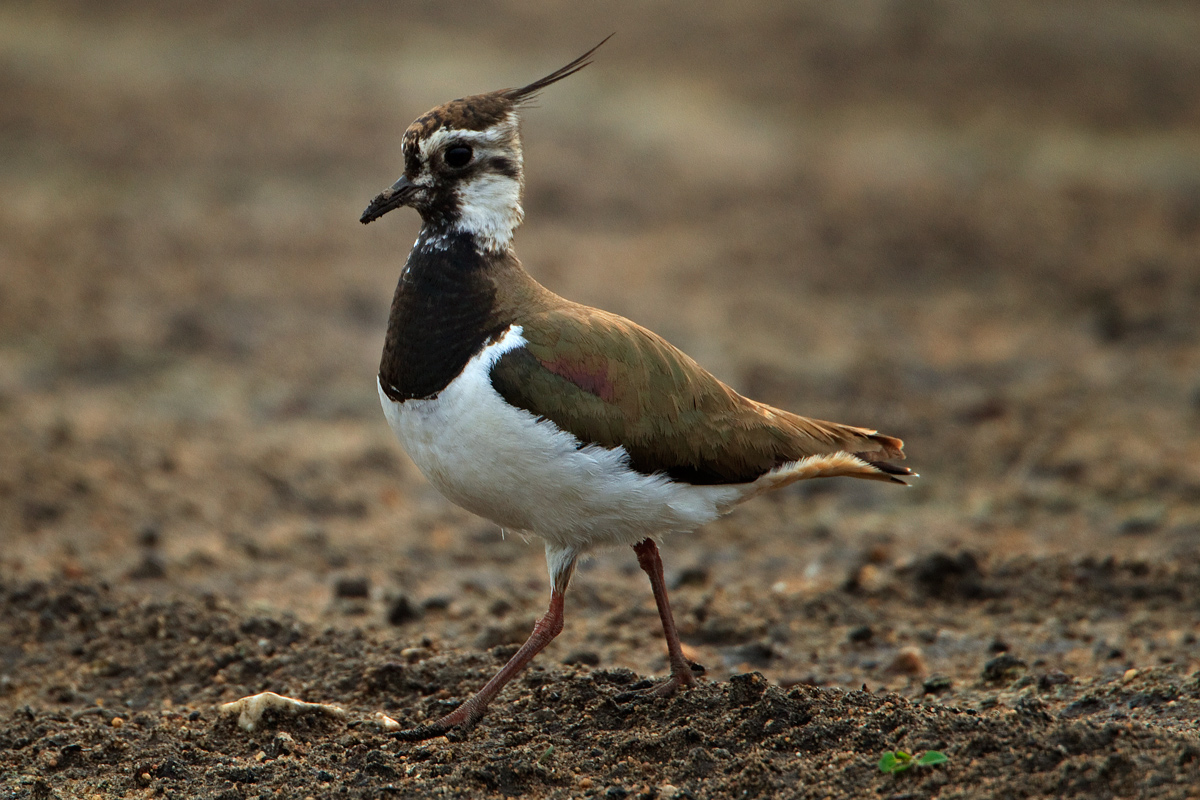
(457, 156)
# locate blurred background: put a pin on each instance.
(975, 226)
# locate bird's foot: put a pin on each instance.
(679, 679)
(422, 732)
(454, 732)
(454, 726)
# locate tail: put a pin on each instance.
(833, 450)
(843, 450)
(889, 448)
(836, 465)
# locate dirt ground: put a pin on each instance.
(973, 226)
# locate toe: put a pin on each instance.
(421, 733)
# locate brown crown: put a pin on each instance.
(481, 111)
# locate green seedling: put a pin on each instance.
(892, 763)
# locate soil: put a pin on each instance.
(976, 228)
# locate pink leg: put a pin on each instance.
(549, 626)
(681, 670)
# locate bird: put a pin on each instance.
(551, 418)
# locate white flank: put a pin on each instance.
(527, 475)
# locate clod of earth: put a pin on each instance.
(250, 709)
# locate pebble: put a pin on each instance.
(936, 684)
(691, 576)
(353, 588)
(1052, 679)
(151, 567)
(414, 654)
(908, 661)
(1003, 668)
(401, 611)
(588, 658)
(871, 579)
(861, 634)
(283, 743)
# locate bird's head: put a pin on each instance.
(463, 167)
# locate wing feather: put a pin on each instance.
(613, 383)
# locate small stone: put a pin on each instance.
(589, 658)
(499, 607)
(1129, 675)
(937, 684)
(116, 722)
(585, 782)
(353, 588)
(691, 576)
(871, 579)
(151, 567)
(950, 577)
(1143, 520)
(149, 536)
(861, 634)
(401, 611)
(283, 744)
(908, 661)
(415, 654)
(667, 791)
(1052, 679)
(436, 604)
(755, 654)
(1087, 705)
(1005, 667)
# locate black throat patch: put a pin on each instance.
(443, 313)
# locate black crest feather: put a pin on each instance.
(526, 93)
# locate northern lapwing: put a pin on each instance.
(552, 418)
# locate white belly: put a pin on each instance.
(525, 474)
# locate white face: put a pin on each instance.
(472, 180)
